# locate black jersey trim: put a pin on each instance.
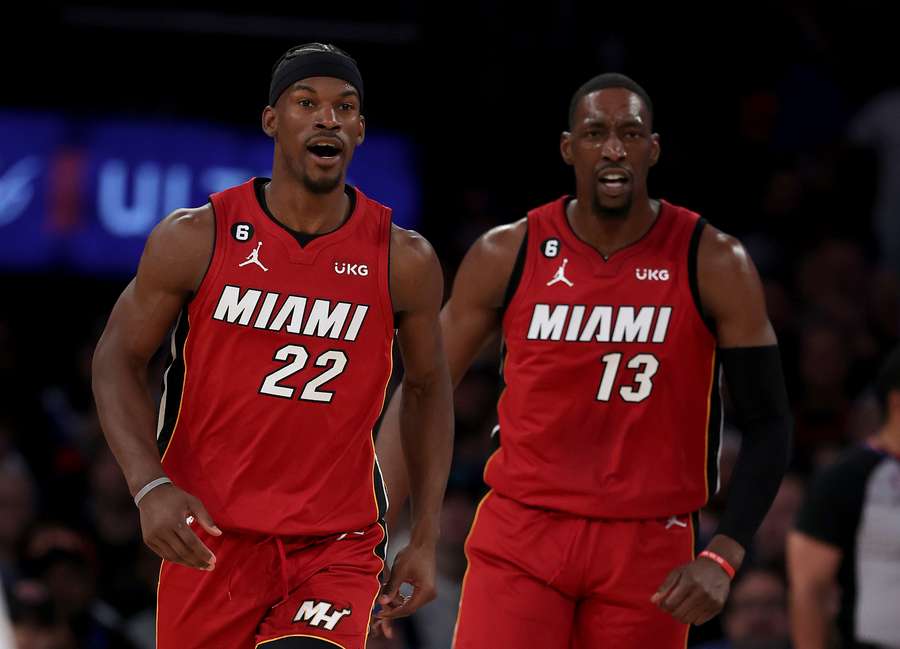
(695, 521)
(714, 429)
(693, 249)
(381, 550)
(173, 384)
(515, 276)
(390, 293)
(303, 238)
(212, 254)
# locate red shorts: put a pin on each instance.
(538, 578)
(275, 592)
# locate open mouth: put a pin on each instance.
(325, 149)
(613, 179)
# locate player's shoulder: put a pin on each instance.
(416, 280)
(410, 249)
(501, 243)
(721, 252)
(180, 246)
(186, 224)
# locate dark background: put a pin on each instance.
(755, 106)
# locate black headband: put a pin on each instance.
(314, 64)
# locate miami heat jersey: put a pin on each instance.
(611, 407)
(280, 365)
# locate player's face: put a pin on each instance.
(316, 125)
(612, 149)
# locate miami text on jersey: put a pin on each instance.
(278, 312)
(603, 323)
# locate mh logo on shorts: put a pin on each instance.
(320, 614)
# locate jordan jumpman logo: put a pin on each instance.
(560, 275)
(253, 258)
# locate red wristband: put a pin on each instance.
(723, 564)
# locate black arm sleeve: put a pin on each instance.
(756, 386)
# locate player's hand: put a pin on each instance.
(379, 627)
(414, 565)
(164, 524)
(694, 592)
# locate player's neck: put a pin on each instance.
(305, 211)
(611, 233)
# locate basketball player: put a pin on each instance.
(617, 312)
(260, 488)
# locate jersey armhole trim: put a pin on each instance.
(515, 277)
(212, 266)
(390, 314)
(693, 250)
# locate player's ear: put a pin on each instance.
(565, 147)
(654, 148)
(269, 121)
(362, 130)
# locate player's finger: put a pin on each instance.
(184, 554)
(691, 608)
(677, 596)
(198, 550)
(157, 550)
(393, 612)
(203, 517)
(390, 592)
(668, 584)
(387, 609)
(165, 550)
(420, 597)
(382, 628)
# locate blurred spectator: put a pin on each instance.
(877, 126)
(36, 624)
(67, 563)
(128, 573)
(821, 406)
(756, 615)
(847, 535)
(769, 543)
(435, 622)
(17, 511)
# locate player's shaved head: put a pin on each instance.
(610, 80)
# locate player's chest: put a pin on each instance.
(564, 275)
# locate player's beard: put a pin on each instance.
(322, 185)
(616, 212)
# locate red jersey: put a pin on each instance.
(611, 407)
(280, 365)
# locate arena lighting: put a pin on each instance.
(84, 194)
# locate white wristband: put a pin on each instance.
(150, 486)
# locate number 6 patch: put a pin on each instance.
(242, 231)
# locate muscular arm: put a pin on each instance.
(426, 409)
(469, 320)
(174, 261)
(732, 298)
(812, 568)
(424, 416)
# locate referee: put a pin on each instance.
(847, 535)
